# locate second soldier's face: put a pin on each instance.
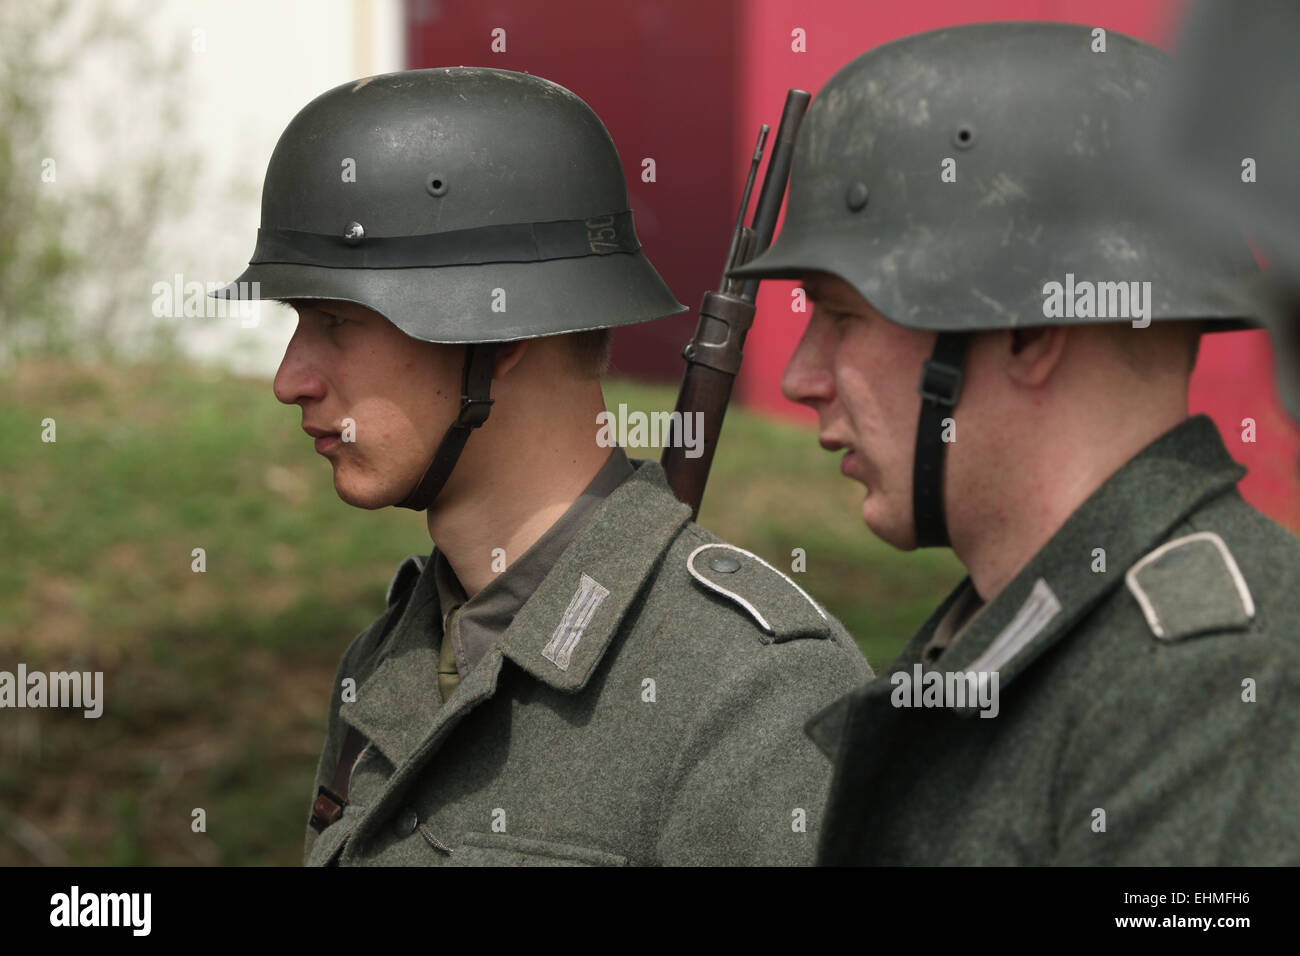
(374, 400)
(859, 372)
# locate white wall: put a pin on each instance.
(260, 62)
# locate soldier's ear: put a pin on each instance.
(1032, 355)
(508, 355)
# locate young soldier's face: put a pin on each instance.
(860, 372)
(346, 362)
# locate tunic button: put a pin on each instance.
(724, 564)
(405, 822)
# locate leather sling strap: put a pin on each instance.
(330, 801)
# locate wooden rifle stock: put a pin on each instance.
(714, 354)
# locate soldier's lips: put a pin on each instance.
(851, 465)
(325, 441)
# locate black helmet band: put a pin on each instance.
(507, 242)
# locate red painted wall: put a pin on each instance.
(688, 82)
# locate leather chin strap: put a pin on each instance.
(475, 405)
(941, 379)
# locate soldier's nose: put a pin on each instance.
(297, 379)
(807, 377)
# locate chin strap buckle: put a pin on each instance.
(940, 382)
(476, 385)
(473, 411)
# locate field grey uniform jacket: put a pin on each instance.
(645, 706)
(1148, 712)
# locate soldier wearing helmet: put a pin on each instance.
(577, 673)
(1001, 344)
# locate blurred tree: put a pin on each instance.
(72, 248)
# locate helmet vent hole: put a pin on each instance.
(964, 136)
(436, 185)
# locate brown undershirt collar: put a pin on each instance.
(959, 617)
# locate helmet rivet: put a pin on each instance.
(436, 185)
(963, 136)
(354, 233)
(856, 197)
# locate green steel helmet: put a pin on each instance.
(462, 204)
(950, 176)
(1222, 143)
(1220, 150)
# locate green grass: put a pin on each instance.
(217, 682)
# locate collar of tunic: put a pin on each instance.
(475, 625)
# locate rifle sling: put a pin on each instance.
(330, 801)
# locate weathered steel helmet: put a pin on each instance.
(950, 177)
(465, 205)
(1024, 118)
(462, 204)
(1220, 150)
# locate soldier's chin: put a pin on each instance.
(896, 531)
(868, 504)
(359, 493)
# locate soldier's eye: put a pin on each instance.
(836, 316)
(333, 321)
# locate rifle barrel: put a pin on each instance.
(714, 353)
(772, 194)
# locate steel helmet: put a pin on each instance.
(419, 194)
(1028, 116)
(1220, 150)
